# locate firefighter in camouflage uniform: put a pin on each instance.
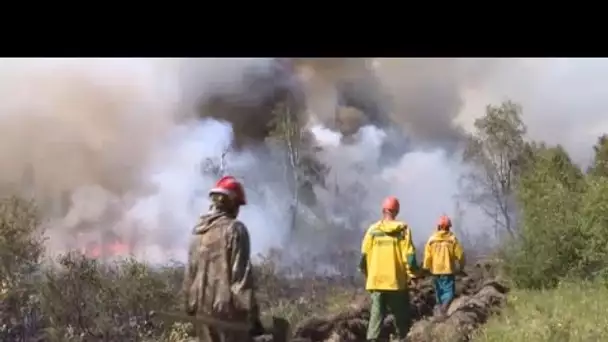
(219, 277)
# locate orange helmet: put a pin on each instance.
(230, 187)
(391, 203)
(444, 222)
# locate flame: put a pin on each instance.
(96, 252)
(116, 248)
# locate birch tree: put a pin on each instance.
(301, 171)
(496, 152)
(216, 167)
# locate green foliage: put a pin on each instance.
(549, 238)
(593, 220)
(21, 248)
(563, 223)
(497, 152)
(21, 244)
(599, 166)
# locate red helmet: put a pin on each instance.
(444, 222)
(391, 203)
(230, 187)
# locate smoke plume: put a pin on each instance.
(118, 145)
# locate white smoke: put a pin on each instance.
(114, 145)
(426, 182)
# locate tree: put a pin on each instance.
(216, 168)
(599, 166)
(552, 234)
(497, 153)
(301, 169)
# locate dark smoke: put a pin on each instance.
(417, 98)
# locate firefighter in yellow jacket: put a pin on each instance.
(387, 252)
(443, 258)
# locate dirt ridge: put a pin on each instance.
(479, 294)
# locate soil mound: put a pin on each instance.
(479, 293)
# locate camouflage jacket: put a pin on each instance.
(219, 278)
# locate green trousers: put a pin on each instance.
(383, 302)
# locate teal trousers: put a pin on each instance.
(445, 288)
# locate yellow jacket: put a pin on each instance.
(443, 253)
(387, 249)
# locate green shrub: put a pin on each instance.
(550, 235)
(592, 256)
(84, 299)
(21, 248)
(564, 219)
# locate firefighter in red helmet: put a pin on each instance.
(443, 258)
(219, 276)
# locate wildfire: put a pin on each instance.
(119, 248)
(114, 249)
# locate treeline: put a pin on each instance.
(551, 214)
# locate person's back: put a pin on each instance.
(443, 254)
(386, 252)
(443, 258)
(386, 264)
(219, 277)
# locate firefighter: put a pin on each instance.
(219, 276)
(443, 259)
(387, 254)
